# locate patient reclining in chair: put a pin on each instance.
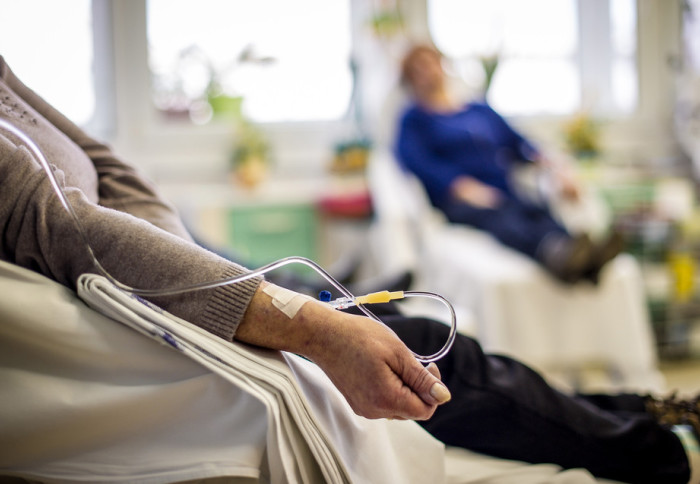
(488, 404)
(464, 155)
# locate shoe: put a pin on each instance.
(604, 253)
(568, 258)
(671, 410)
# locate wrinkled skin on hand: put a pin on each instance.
(373, 369)
(377, 374)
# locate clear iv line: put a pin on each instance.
(36, 151)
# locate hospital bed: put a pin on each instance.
(105, 388)
(583, 336)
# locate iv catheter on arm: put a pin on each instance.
(343, 302)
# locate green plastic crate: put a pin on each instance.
(262, 234)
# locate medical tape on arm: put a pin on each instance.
(289, 302)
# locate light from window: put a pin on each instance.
(48, 45)
(537, 70)
(289, 61)
(691, 34)
(623, 22)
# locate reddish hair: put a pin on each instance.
(410, 57)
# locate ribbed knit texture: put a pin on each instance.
(228, 300)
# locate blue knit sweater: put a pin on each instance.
(474, 141)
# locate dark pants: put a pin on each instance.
(516, 224)
(502, 408)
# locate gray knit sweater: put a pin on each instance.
(136, 235)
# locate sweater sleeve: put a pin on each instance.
(137, 236)
(524, 149)
(120, 185)
(38, 233)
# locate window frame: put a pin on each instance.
(171, 150)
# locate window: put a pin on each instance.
(625, 88)
(288, 61)
(691, 34)
(547, 63)
(57, 64)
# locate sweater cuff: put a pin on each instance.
(228, 304)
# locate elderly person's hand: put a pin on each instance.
(376, 373)
(366, 361)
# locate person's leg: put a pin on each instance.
(503, 408)
(511, 224)
(532, 231)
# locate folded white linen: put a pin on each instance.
(313, 434)
(85, 399)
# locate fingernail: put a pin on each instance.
(440, 392)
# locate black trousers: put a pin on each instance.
(502, 408)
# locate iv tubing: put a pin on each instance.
(36, 151)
